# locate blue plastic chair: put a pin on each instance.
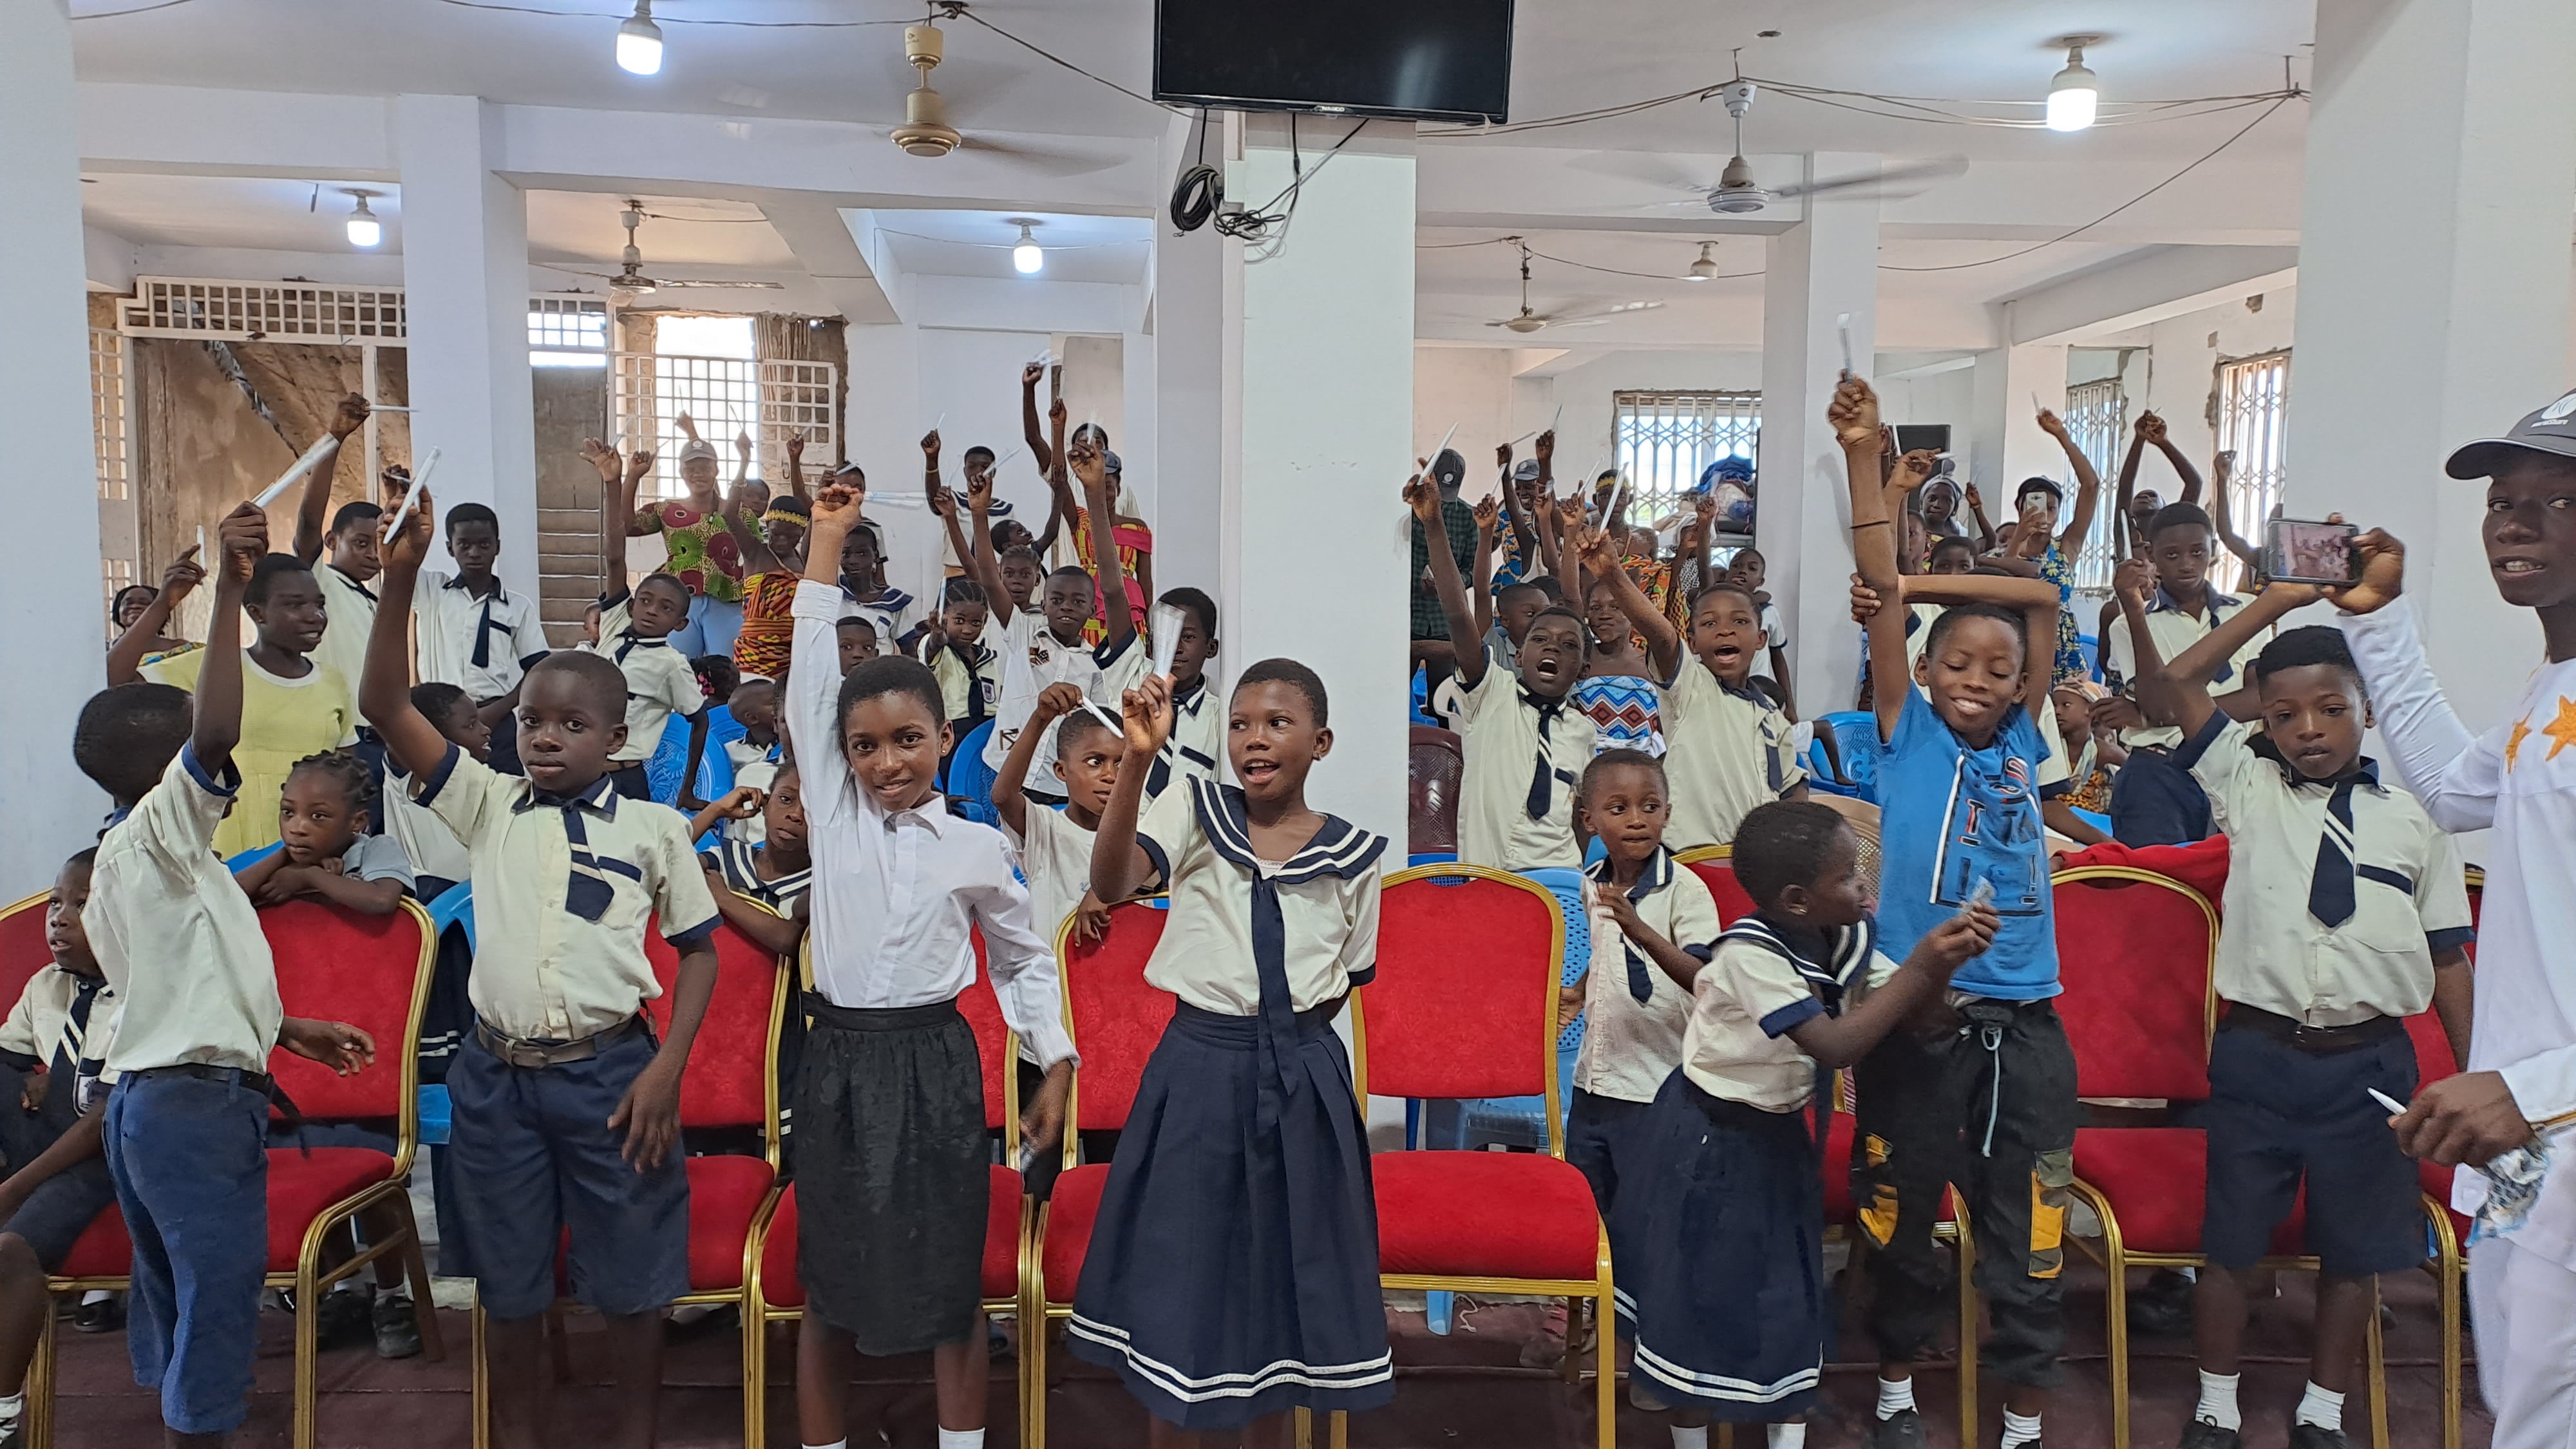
(453, 908)
(671, 756)
(1856, 737)
(970, 780)
(254, 856)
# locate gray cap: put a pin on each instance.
(2551, 430)
(1525, 471)
(697, 448)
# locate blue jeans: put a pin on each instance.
(190, 1160)
(711, 628)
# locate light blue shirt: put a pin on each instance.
(1950, 816)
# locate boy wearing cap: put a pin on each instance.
(1524, 487)
(702, 551)
(1458, 525)
(2519, 780)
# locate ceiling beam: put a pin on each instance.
(2150, 286)
(813, 230)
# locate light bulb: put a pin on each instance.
(364, 229)
(1028, 256)
(1705, 268)
(639, 41)
(2073, 95)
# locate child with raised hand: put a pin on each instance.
(1960, 821)
(2156, 801)
(1727, 745)
(952, 644)
(1633, 1013)
(566, 1109)
(1055, 845)
(636, 629)
(474, 633)
(775, 870)
(1525, 745)
(350, 540)
(2345, 914)
(58, 1184)
(293, 705)
(892, 1157)
(178, 941)
(1236, 1242)
(325, 816)
(437, 857)
(1048, 646)
(1732, 1213)
(1196, 744)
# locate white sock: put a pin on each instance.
(12, 1407)
(95, 1295)
(961, 1439)
(2321, 1407)
(1787, 1436)
(2019, 1430)
(1690, 1438)
(835, 1444)
(2218, 1400)
(1895, 1396)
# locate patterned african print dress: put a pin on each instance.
(1624, 711)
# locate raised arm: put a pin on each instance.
(1101, 501)
(1488, 514)
(2035, 598)
(2162, 440)
(2088, 486)
(313, 510)
(1010, 783)
(125, 660)
(2221, 469)
(1977, 514)
(1423, 497)
(2178, 692)
(412, 743)
(979, 556)
(1118, 863)
(1663, 641)
(1519, 518)
(630, 482)
(796, 464)
(1039, 449)
(243, 537)
(2457, 775)
(757, 556)
(813, 685)
(1854, 416)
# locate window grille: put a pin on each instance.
(724, 396)
(221, 311)
(2097, 417)
(107, 415)
(2253, 407)
(1663, 441)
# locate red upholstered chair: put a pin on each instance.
(1715, 866)
(373, 973)
(1437, 764)
(1116, 1020)
(1464, 1005)
(730, 1084)
(2135, 953)
(777, 1295)
(22, 945)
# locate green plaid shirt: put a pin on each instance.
(1429, 622)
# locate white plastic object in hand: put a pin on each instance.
(1166, 624)
(1983, 894)
(411, 495)
(1116, 725)
(1618, 492)
(1443, 445)
(2395, 1108)
(1842, 324)
(301, 466)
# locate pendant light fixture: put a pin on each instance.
(639, 41)
(2076, 93)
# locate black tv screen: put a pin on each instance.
(1431, 60)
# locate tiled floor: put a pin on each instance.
(1464, 1391)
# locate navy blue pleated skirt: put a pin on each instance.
(1727, 1260)
(1233, 1272)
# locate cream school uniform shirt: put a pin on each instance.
(2410, 898)
(1199, 843)
(899, 895)
(1055, 855)
(426, 842)
(1755, 988)
(560, 926)
(349, 616)
(1499, 732)
(2172, 630)
(1032, 659)
(660, 681)
(1725, 751)
(1196, 745)
(1630, 1045)
(177, 940)
(449, 622)
(42, 1034)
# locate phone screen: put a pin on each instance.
(2309, 553)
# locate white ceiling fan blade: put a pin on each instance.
(706, 282)
(1904, 179)
(1054, 163)
(1601, 314)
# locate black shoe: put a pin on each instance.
(2202, 1434)
(2162, 1309)
(397, 1327)
(344, 1320)
(107, 1315)
(2317, 1436)
(1900, 1430)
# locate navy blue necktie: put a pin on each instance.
(2330, 893)
(1542, 791)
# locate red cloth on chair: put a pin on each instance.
(2201, 865)
(1462, 1002)
(1117, 1018)
(725, 1193)
(1719, 876)
(1484, 1215)
(2135, 959)
(300, 1186)
(2157, 1181)
(781, 1288)
(1073, 1209)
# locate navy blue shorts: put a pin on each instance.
(61, 1208)
(189, 1157)
(532, 1155)
(2278, 1115)
(2157, 802)
(1608, 1140)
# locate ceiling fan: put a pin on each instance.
(1526, 321)
(630, 280)
(1737, 193)
(925, 131)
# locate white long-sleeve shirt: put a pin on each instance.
(2518, 779)
(898, 895)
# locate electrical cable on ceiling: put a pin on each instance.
(1908, 108)
(1255, 224)
(137, 10)
(670, 19)
(959, 12)
(1201, 188)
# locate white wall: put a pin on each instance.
(2182, 373)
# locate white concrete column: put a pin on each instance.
(1314, 539)
(1138, 441)
(465, 284)
(1196, 347)
(2425, 324)
(51, 595)
(1816, 271)
(2005, 444)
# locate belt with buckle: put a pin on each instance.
(536, 1055)
(2315, 1039)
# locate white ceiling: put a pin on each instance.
(1585, 193)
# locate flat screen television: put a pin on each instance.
(1428, 60)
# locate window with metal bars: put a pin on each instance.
(567, 332)
(2252, 406)
(2097, 417)
(107, 413)
(117, 574)
(706, 369)
(1663, 442)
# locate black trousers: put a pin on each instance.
(1989, 1107)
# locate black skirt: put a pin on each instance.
(1233, 1272)
(892, 1175)
(1727, 1267)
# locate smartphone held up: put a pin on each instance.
(2298, 552)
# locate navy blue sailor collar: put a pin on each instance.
(1653, 876)
(1339, 848)
(599, 798)
(1847, 961)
